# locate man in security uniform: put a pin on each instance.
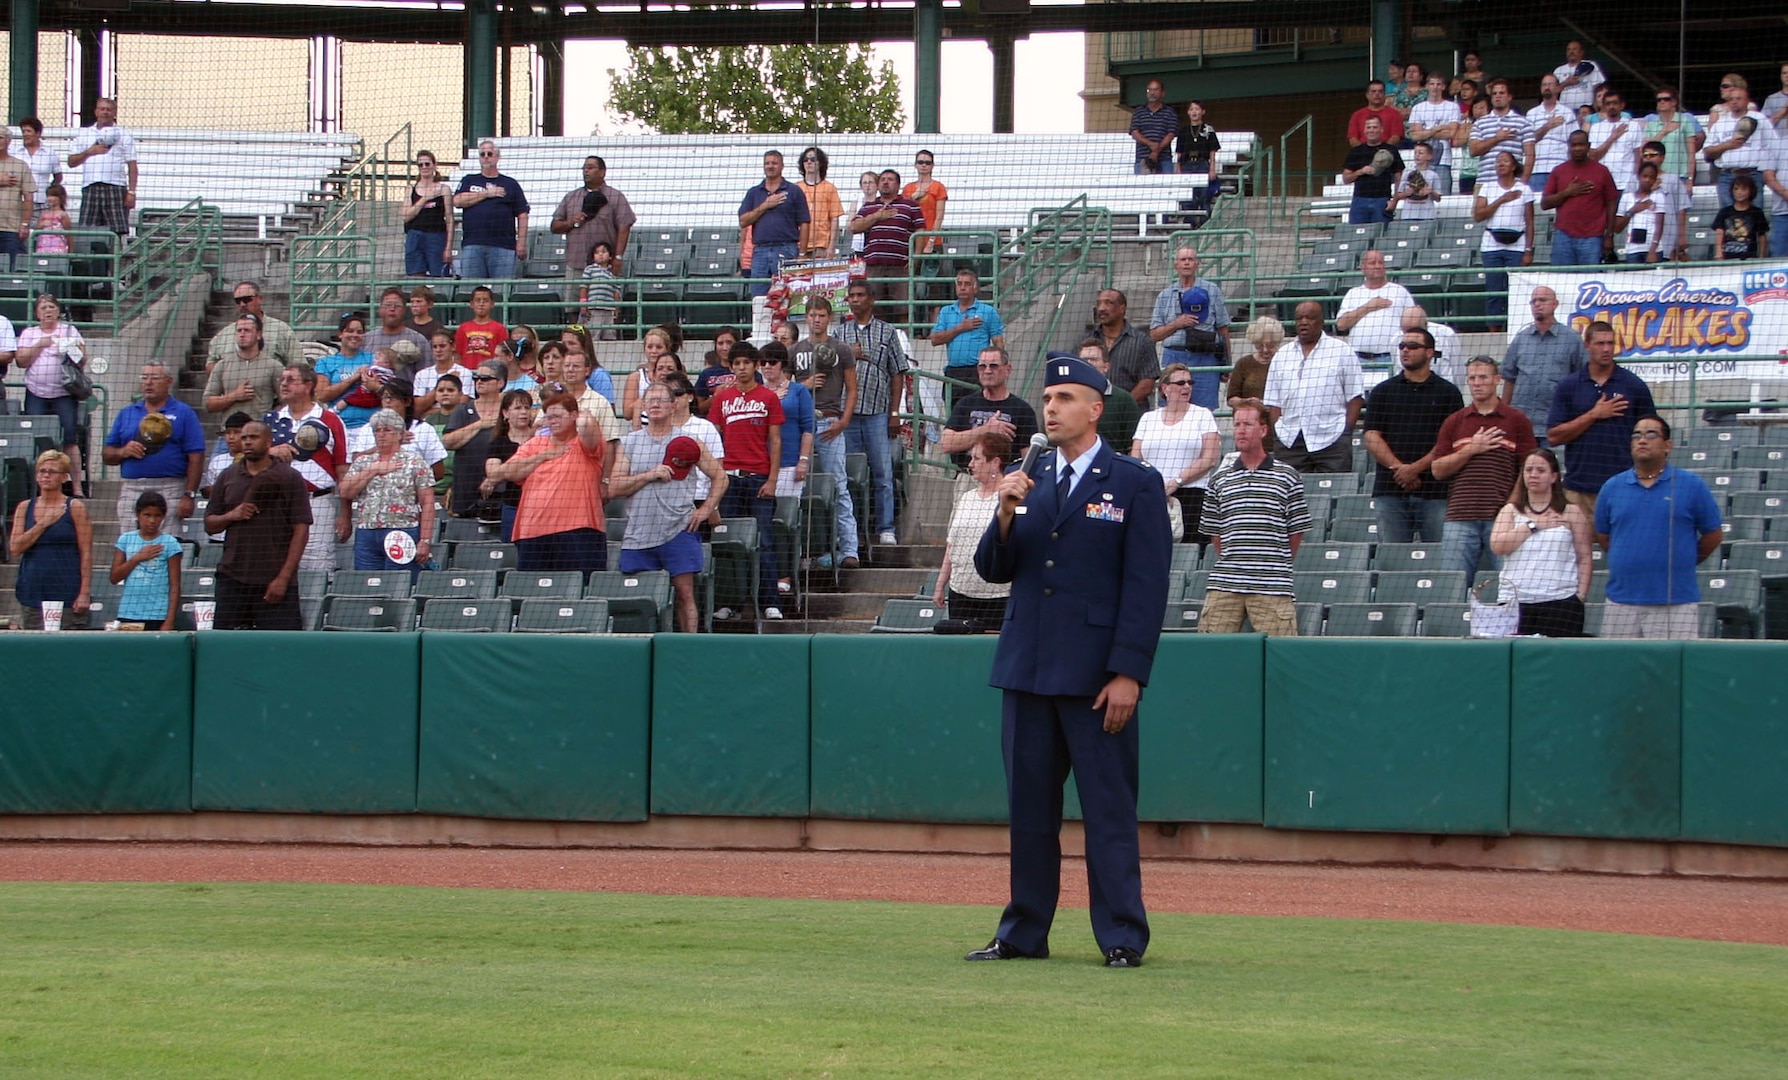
(1087, 549)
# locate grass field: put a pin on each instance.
(195, 981)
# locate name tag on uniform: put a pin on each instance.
(1020, 509)
(1104, 511)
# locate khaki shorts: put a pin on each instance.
(1583, 500)
(1274, 616)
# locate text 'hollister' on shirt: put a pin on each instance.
(745, 420)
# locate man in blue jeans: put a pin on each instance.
(1584, 194)
(493, 236)
(881, 365)
(1403, 419)
(774, 211)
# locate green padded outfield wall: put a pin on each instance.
(1735, 742)
(96, 723)
(535, 726)
(1200, 721)
(905, 728)
(305, 722)
(730, 732)
(1596, 739)
(1410, 735)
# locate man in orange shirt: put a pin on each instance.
(930, 196)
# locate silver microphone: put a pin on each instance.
(1039, 443)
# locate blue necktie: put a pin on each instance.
(1064, 486)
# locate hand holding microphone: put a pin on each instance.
(1017, 484)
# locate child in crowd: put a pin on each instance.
(54, 215)
(147, 564)
(1418, 197)
(1741, 231)
(602, 295)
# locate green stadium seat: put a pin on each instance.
(559, 616)
(1421, 587)
(1353, 531)
(1768, 458)
(1337, 587)
(1192, 587)
(1182, 617)
(1371, 620)
(455, 614)
(519, 587)
(1309, 616)
(463, 584)
(368, 613)
(1446, 621)
(1738, 598)
(1332, 556)
(908, 617)
(637, 603)
(1406, 557)
(373, 583)
(1767, 504)
(498, 557)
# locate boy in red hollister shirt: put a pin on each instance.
(749, 417)
(478, 338)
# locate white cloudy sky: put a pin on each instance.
(1050, 77)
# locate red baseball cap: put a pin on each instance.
(681, 454)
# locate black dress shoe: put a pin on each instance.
(1000, 950)
(1120, 957)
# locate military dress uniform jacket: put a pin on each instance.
(1089, 580)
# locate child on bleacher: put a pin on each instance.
(54, 215)
(1418, 197)
(602, 295)
(147, 564)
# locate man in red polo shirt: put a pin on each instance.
(1585, 195)
(749, 417)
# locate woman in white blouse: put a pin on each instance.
(980, 603)
(1544, 543)
(1180, 440)
(1505, 207)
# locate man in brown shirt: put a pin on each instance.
(17, 196)
(262, 507)
(1481, 448)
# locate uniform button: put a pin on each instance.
(1055, 536)
(1048, 592)
(1049, 564)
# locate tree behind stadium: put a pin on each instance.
(755, 89)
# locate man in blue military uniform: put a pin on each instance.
(1087, 549)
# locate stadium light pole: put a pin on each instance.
(481, 71)
(928, 47)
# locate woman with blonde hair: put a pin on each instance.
(655, 344)
(1249, 379)
(52, 537)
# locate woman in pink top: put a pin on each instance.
(559, 524)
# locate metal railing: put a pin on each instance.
(1280, 186)
(372, 175)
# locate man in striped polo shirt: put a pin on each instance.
(1503, 128)
(1256, 516)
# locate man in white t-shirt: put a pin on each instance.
(1577, 86)
(1372, 313)
(1549, 136)
(1436, 122)
(107, 156)
(1732, 150)
(1673, 202)
(1615, 142)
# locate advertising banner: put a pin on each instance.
(1670, 322)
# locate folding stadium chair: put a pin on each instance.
(1446, 621)
(1769, 458)
(455, 614)
(463, 584)
(1309, 616)
(928, 588)
(103, 596)
(1332, 556)
(1352, 531)
(1193, 586)
(198, 581)
(1182, 617)
(498, 557)
(541, 615)
(1701, 457)
(1338, 587)
(1421, 587)
(1738, 597)
(736, 569)
(371, 583)
(519, 587)
(1371, 620)
(638, 603)
(368, 613)
(1406, 557)
(908, 617)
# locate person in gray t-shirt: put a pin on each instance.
(656, 470)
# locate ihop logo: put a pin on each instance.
(1770, 284)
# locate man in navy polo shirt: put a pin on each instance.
(774, 211)
(493, 235)
(168, 460)
(1657, 523)
(1593, 413)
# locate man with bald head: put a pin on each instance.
(1539, 355)
(1313, 395)
(1134, 364)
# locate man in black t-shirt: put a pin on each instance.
(1404, 415)
(1373, 177)
(262, 507)
(993, 408)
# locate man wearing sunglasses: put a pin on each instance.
(494, 220)
(992, 408)
(281, 342)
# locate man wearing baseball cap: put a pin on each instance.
(1084, 541)
(1191, 322)
(158, 444)
(655, 471)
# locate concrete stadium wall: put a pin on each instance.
(1251, 748)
